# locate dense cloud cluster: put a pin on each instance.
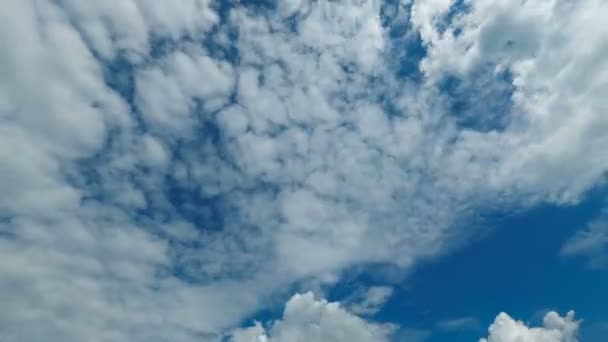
(168, 168)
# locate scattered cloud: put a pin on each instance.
(369, 301)
(169, 169)
(591, 242)
(555, 329)
(306, 319)
(458, 324)
(549, 52)
(411, 335)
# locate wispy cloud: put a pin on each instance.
(457, 324)
(591, 242)
(369, 301)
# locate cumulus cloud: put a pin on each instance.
(551, 53)
(306, 319)
(167, 168)
(555, 329)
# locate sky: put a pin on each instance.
(298, 170)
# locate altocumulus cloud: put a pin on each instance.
(167, 169)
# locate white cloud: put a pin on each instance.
(155, 152)
(591, 242)
(110, 27)
(370, 300)
(191, 18)
(174, 209)
(306, 319)
(554, 51)
(168, 93)
(554, 329)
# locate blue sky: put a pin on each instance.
(518, 268)
(289, 171)
(523, 276)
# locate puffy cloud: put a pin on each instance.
(77, 259)
(168, 93)
(551, 53)
(555, 329)
(591, 242)
(306, 319)
(166, 168)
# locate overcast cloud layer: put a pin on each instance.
(169, 168)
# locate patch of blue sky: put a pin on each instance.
(482, 102)
(406, 48)
(517, 269)
(458, 8)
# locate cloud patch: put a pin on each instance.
(307, 319)
(555, 329)
(458, 324)
(591, 242)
